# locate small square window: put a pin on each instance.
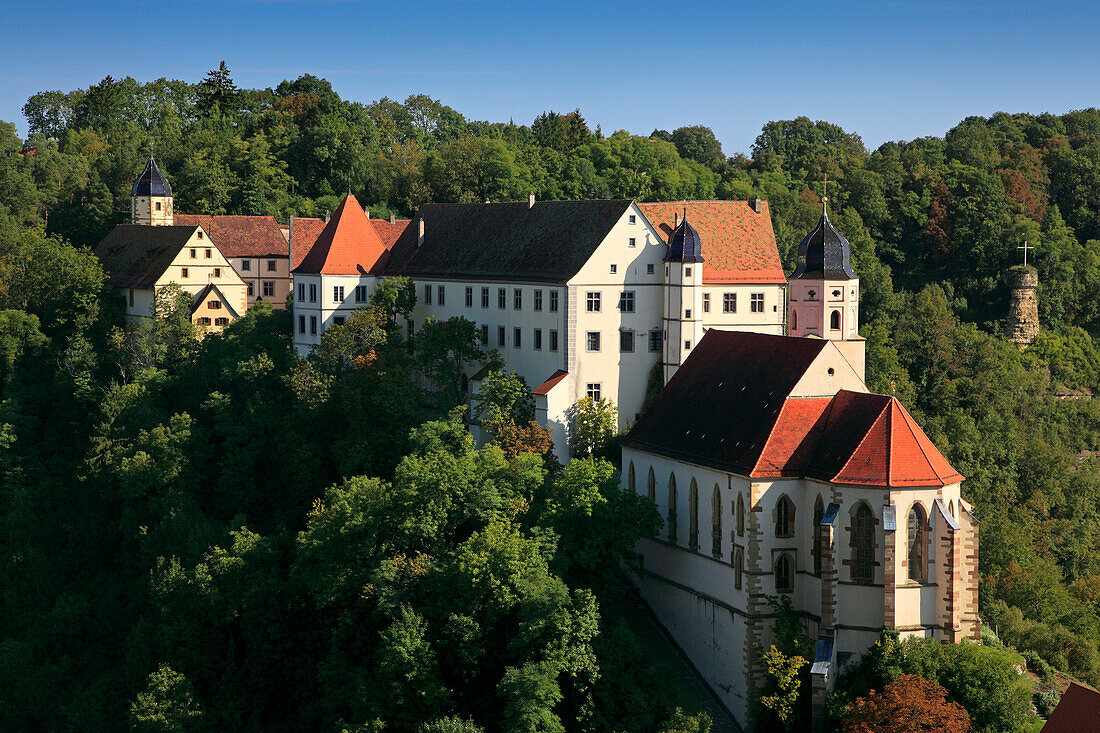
(632, 242)
(246, 265)
(194, 253)
(756, 302)
(269, 288)
(158, 206)
(614, 269)
(217, 272)
(271, 265)
(729, 302)
(592, 302)
(200, 236)
(649, 269)
(592, 391)
(687, 313)
(207, 253)
(687, 272)
(626, 301)
(687, 346)
(360, 293)
(633, 220)
(592, 340)
(184, 272)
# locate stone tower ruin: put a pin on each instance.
(1023, 312)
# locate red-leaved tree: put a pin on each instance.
(909, 704)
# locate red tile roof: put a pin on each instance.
(729, 407)
(550, 383)
(1078, 711)
(241, 236)
(304, 232)
(347, 245)
(738, 244)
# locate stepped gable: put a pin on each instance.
(721, 406)
(347, 245)
(728, 407)
(135, 255)
(739, 243)
(824, 254)
(241, 236)
(548, 241)
(151, 182)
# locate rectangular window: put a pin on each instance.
(469, 297)
(302, 292)
(500, 337)
(626, 301)
(538, 300)
(338, 320)
(517, 337)
(687, 272)
(553, 301)
(360, 293)
(687, 313)
(199, 235)
(204, 321)
(217, 272)
(194, 253)
(313, 293)
(409, 328)
(517, 298)
(626, 342)
(485, 297)
(592, 301)
(687, 345)
(158, 206)
(269, 288)
(214, 305)
(485, 334)
(614, 269)
(271, 265)
(729, 302)
(207, 250)
(592, 340)
(706, 302)
(756, 302)
(592, 391)
(251, 289)
(538, 339)
(313, 325)
(223, 321)
(502, 298)
(301, 324)
(633, 219)
(183, 272)
(632, 243)
(337, 293)
(427, 295)
(656, 340)
(442, 299)
(649, 269)
(553, 340)
(246, 265)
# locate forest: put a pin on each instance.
(220, 535)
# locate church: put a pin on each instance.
(814, 490)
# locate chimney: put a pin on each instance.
(327, 216)
(676, 220)
(420, 231)
(530, 199)
(393, 218)
(756, 204)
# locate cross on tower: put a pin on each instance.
(1025, 248)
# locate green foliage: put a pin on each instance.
(782, 688)
(595, 422)
(503, 398)
(167, 705)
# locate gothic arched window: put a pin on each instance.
(863, 545)
(819, 512)
(784, 518)
(740, 515)
(918, 541)
(738, 566)
(794, 320)
(834, 320)
(630, 478)
(651, 485)
(716, 522)
(672, 507)
(784, 574)
(693, 515)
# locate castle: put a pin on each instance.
(815, 489)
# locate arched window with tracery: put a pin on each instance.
(738, 566)
(693, 515)
(819, 512)
(918, 542)
(740, 514)
(716, 522)
(784, 517)
(863, 545)
(651, 485)
(784, 574)
(834, 320)
(672, 507)
(630, 478)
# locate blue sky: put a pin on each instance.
(886, 70)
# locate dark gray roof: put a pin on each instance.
(549, 241)
(151, 182)
(824, 254)
(684, 244)
(135, 255)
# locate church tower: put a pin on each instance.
(683, 324)
(151, 197)
(823, 292)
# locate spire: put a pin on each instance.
(151, 182)
(824, 253)
(684, 244)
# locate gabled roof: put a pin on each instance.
(241, 236)
(200, 298)
(135, 256)
(549, 241)
(151, 182)
(347, 245)
(304, 232)
(824, 253)
(554, 380)
(738, 243)
(1077, 711)
(729, 407)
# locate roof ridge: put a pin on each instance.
(923, 452)
(866, 433)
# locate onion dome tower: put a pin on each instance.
(823, 291)
(151, 197)
(683, 306)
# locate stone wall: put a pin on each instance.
(1023, 314)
